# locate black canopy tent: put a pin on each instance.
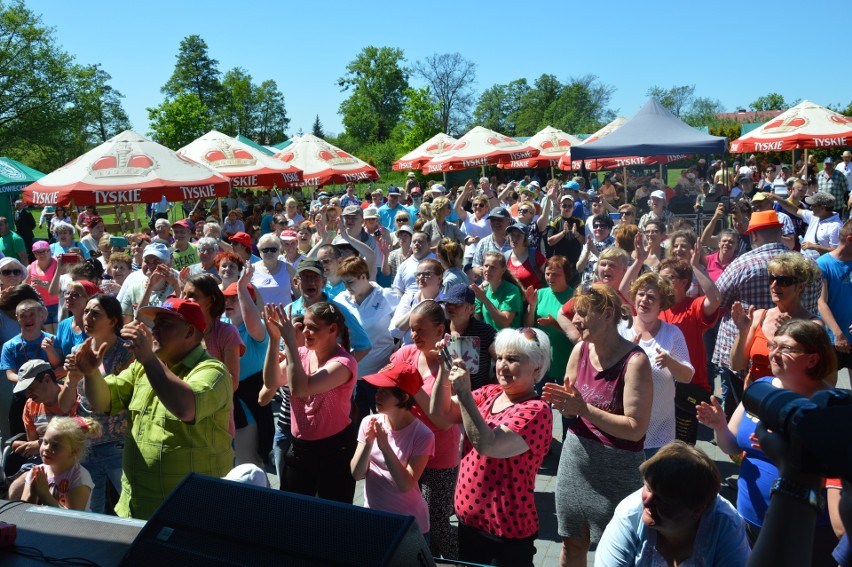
(653, 131)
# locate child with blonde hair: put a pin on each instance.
(61, 481)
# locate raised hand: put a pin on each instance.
(479, 291)
(642, 252)
(459, 376)
(245, 277)
(139, 340)
(548, 321)
(85, 360)
(531, 295)
(712, 415)
(742, 318)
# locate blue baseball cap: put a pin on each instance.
(571, 185)
(457, 294)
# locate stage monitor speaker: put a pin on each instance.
(214, 522)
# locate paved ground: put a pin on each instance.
(548, 544)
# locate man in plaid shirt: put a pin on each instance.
(746, 280)
(833, 181)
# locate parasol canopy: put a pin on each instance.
(478, 148)
(14, 175)
(432, 147)
(128, 168)
(565, 160)
(806, 125)
(324, 164)
(551, 144)
(243, 164)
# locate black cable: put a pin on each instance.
(10, 504)
(35, 553)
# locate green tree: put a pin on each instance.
(499, 105)
(195, 72)
(377, 80)
(36, 77)
(772, 101)
(238, 112)
(677, 99)
(102, 115)
(316, 129)
(704, 111)
(421, 118)
(530, 117)
(451, 78)
(582, 106)
(177, 122)
(272, 118)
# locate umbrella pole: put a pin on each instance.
(221, 218)
(805, 163)
(136, 218)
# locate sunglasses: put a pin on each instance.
(783, 349)
(424, 274)
(72, 295)
(270, 250)
(401, 221)
(783, 281)
(529, 334)
(567, 205)
(599, 225)
(625, 213)
(14, 272)
(479, 205)
(524, 211)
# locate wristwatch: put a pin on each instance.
(815, 498)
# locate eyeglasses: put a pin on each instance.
(782, 281)
(72, 295)
(13, 272)
(479, 205)
(783, 349)
(424, 275)
(270, 250)
(567, 205)
(651, 232)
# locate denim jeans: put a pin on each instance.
(104, 463)
(280, 446)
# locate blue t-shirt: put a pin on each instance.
(17, 351)
(56, 249)
(358, 338)
(387, 215)
(333, 290)
(757, 473)
(251, 362)
(838, 277)
(265, 224)
(66, 338)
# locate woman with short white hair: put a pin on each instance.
(64, 232)
(272, 276)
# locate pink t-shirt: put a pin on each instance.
(380, 490)
(61, 484)
(44, 281)
(446, 442)
(221, 337)
(322, 415)
(714, 268)
(497, 496)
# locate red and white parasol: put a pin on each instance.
(436, 145)
(551, 144)
(128, 168)
(478, 148)
(323, 164)
(807, 125)
(565, 161)
(244, 165)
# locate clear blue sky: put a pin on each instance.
(731, 51)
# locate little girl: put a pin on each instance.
(394, 446)
(61, 481)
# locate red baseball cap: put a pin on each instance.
(398, 374)
(243, 238)
(234, 289)
(185, 309)
(289, 234)
(185, 223)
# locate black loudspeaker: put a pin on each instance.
(214, 522)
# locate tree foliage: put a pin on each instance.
(175, 123)
(51, 108)
(451, 78)
(195, 72)
(421, 118)
(580, 105)
(234, 103)
(316, 129)
(772, 101)
(678, 99)
(377, 80)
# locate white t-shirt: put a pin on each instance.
(661, 428)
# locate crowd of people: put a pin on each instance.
(423, 339)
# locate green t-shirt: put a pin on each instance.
(507, 297)
(12, 245)
(186, 258)
(550, 303)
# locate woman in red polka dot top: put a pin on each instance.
(508, 430)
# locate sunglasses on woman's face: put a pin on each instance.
(12, 272)
(782, 281)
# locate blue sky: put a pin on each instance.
(731, 51)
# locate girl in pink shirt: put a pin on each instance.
(394, 446)
(321, 376)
